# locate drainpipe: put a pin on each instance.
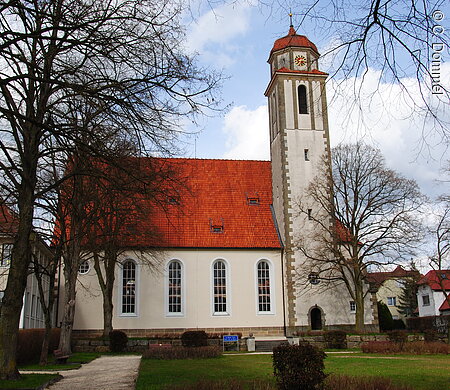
(284, 296)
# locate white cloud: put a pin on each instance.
(247, 133)
(213, 32)
(387, 117)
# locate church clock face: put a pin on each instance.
(300, 60)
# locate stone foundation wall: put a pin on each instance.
(140, 345)
(174, 333)
(353, 341)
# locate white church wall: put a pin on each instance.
(197, 312)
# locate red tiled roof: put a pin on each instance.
(436, 279)
(292, 39)
(379, 278)
(211, 194)
(314, 71)
(8, 220)
(446, 304)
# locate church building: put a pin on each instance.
(225, 258)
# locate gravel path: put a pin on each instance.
(104, 373)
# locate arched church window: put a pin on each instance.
(129, 287)
(175, 280)
(220, 288)
(302, 99)
(264, 296)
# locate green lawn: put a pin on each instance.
(421, 372)
(28, 381)
(74, 362)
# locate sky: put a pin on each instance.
(237, 39)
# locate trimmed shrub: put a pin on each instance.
(398, 336)
(194, 338)
(342, 382)
(169, 353)
(414, 348)
(336, 339)
(298, 367)
(29, 344)
(117, 341)
(430, 335)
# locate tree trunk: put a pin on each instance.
(359, 317)
(11, 306)
(106, 283)
(48, 309)
(70, 276)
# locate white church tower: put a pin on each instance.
(299, 138)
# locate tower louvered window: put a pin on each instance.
(302, 99)
(264, 298)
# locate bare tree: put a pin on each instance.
(441, 235)
(119, 194)
(125, 60)
(374, 220)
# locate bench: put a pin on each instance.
(60, 358)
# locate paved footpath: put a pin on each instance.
(104, 373)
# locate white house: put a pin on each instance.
(433, 295)
(226, 243)
(32, 315)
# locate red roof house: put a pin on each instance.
(434, 293)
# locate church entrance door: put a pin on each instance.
(316, 319)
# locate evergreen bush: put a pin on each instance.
(298, 367)
(117, 341)
(194, 338)
(385, 317)
(398, 324)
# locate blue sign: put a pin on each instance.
(231, 338)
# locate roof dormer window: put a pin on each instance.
(254, 201)
(216, 227)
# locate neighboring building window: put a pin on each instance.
(129, 288)
(426, 300)
(352, 306)
(175, 287)
(302, 101)
(83, 268)
(6, 255)
(264, 296)
(220, 287)
(306, 154)
(392, 301)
